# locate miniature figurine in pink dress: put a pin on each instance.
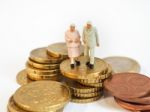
(73, 42)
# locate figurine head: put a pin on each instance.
(72, 27)
(89, 24)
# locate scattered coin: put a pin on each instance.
(123, 64)
(42, 96)
(132, 106)
(22, 78)
(128, 85)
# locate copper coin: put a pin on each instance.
(132, 106)
(141, 100)
(128, 85)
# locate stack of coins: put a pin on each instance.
(86, 84)
(131, 90)
(40, 96)
(43, 63)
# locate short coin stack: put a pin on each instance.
(86, 84)
(131, 90)
(40, 66)
(40, 96)
(43, 63)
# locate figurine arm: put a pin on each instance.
(67, 38)
(97, 37)
(83, 36)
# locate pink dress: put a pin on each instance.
(73, 43)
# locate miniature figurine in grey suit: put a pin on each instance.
(91, 40)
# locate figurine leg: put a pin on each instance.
(77, 62)
(92, 54)
(72, 63)
(86, 54)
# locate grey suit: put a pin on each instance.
(91, 40)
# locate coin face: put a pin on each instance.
(22, 78)
(128, 85)
(59, 50)
(82, 71)
(123, 64)
(132, 106)
(42, 96)
(40, 55)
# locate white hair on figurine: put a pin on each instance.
(72, 25)
(89, 22)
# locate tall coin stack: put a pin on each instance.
(86, 84)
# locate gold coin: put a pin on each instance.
(105, 75)
(43, 66)
(59, 50)
(79, 88)
(43, 77)
(32, 70)
(123, 64)
(82, 71)
(85, 100)
(40, 55)
(98, 85)
(42, 96)
(22, 78)
(12, 107)
(87, 95)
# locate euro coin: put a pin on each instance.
(42, 96)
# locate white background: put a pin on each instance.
(123, 26)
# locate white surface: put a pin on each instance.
(123, 26)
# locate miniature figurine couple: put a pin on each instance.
(90, 41)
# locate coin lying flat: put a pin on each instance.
(141, 100)
(123, 64)
(128, 85)
(40, 55)
(78, 88)
(59, 50)
(22, 78)
(12, 107)
(87, 95)
(43, 66)
(107, 74)
(85, 100)
(36, 77)
(82, 71)
(32, 70)
(98, 85)
(42, 96)
(132, 106)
